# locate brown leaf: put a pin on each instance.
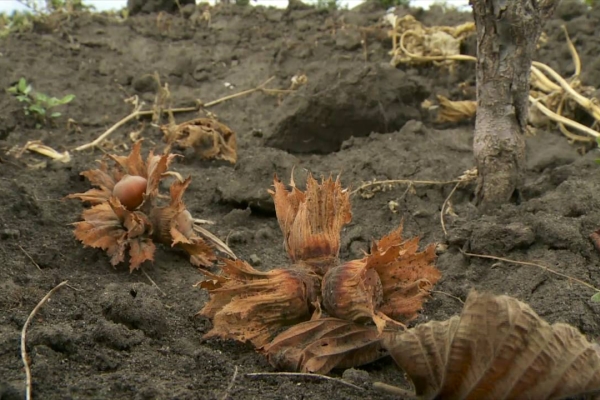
(320, 345)
(249, 305)
(208, 137)
(391, 283)
(311, 221)
(114, 229)
(498, 348)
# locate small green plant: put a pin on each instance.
(36, 104)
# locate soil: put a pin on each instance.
(112, 334)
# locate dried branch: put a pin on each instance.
(24, 355)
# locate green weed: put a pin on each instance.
(38, 105)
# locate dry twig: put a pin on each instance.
(29, 256)
(444, 207)
(139, 113)
(399, 182)
(24, 355)
(303, 375)
(152, 281)
(393, 390)
(231, 383)
(532, 264)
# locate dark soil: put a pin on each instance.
(112, 334)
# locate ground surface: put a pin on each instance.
(114, 335)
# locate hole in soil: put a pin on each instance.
(133, 293)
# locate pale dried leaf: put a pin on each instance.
(498, 348)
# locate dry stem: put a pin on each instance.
(399, 182)
(532, 264)
(541, 81)
(152, 281)
(30, 258)
(449, 295)
(303, 375)
(140, 113)
(444, 207)
(24, 355)
(231, 383)
(393, 390)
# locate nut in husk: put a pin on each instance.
(126, 214)
(250, 305)
(388, 286)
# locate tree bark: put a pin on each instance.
(507, 34)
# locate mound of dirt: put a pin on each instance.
(113, 334)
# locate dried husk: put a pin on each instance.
(110, 226)
(311, 221)
(174, 226)
(249, 305)
(114, 229)
(208, 137)
(498, 348)
(388, 286)
(322, 344)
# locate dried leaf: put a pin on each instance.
(387, 285)
(249, 305)
(455, 111)
(208, 137)
(498, 348)
(311, 221)
(320, 345)
(111, 227)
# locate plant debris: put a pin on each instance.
(498, 348)
(209, 138)
(415, 43)
(126, 213)
(392, 282)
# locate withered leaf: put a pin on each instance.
(320, 345)
(498, 348)
(249, 305)
(208, 137)
(388, 285)
(311, 221)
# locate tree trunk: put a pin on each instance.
(507, 34)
